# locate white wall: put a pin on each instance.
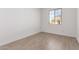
(68, 26)
(78, 24)
(17, 23)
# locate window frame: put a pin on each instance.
(54, 15)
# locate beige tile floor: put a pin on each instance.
(43, 41)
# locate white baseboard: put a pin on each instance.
(61, 34)
(18, 38)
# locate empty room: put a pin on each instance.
(39, 29)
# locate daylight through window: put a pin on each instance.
(55, 16)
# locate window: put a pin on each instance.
(55, 16)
